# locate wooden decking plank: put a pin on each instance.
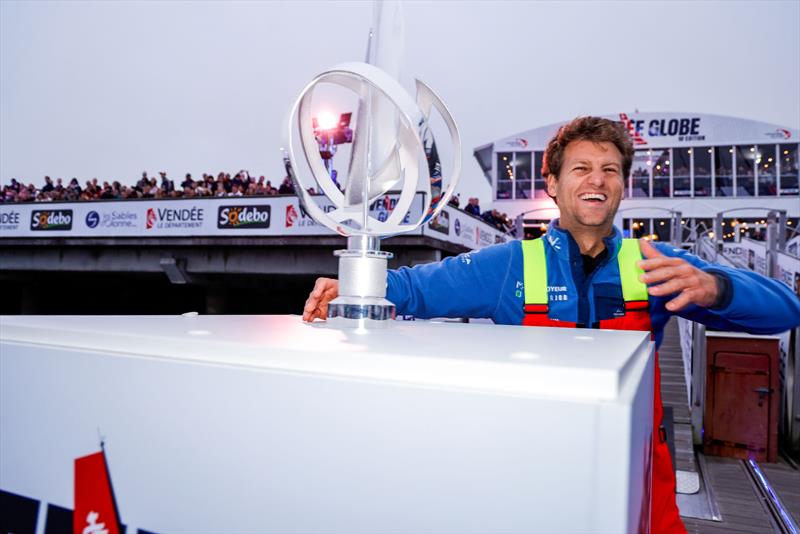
(673, 394)
(738, 502)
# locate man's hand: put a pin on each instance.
(325, 290)
(674, 275)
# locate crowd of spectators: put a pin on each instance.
(501, 221)
(223, 185)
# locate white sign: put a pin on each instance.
(789, 271)
(653, 130)
(186, 217)
(461, 228)
(754, 255)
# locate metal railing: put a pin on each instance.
(709, 246)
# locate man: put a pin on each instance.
(583, 274)
(472, 207)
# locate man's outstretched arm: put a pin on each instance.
(717, 296)
(468, 285)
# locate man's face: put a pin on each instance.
(589, 187)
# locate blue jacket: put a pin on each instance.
(489, 284)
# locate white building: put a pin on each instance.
(694, 164)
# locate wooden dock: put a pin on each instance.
(742, 503)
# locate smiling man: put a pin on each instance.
(583, 274)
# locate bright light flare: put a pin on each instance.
(327, 120)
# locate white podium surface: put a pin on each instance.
(266, 424)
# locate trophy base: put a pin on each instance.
(360, 312)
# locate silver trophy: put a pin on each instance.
(388, 154)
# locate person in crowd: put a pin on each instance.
(236, 182)
(108, 192)
(187, 182)
(473, 207)
(24, 195)
(74, 186)
(48, 185)
(287, 187)
(454, 201)
(590, 277)
(167, 185)
(147, 191)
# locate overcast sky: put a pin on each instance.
(109, 89)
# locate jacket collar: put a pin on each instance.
(562, 242)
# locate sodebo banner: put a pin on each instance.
(51, 220)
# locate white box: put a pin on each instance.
(265, 424)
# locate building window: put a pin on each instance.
(522, 175)
(662, 230)
(640, 173)
(723, 170)
(789, 169)
(745, 177)
(681, 175)
(535, 228)
(661, 175)
(539, 184)
(637, 227)
(767, 170)
(702, 171)
(505, 175)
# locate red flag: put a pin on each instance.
(95, 508)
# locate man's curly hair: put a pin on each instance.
(596, 129)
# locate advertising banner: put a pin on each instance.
(266, 216)
(753, 254)
(654, 129)
(463, 229)
(292, 219)
(228, 216)
(789, 271)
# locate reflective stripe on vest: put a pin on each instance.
(634, 291)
